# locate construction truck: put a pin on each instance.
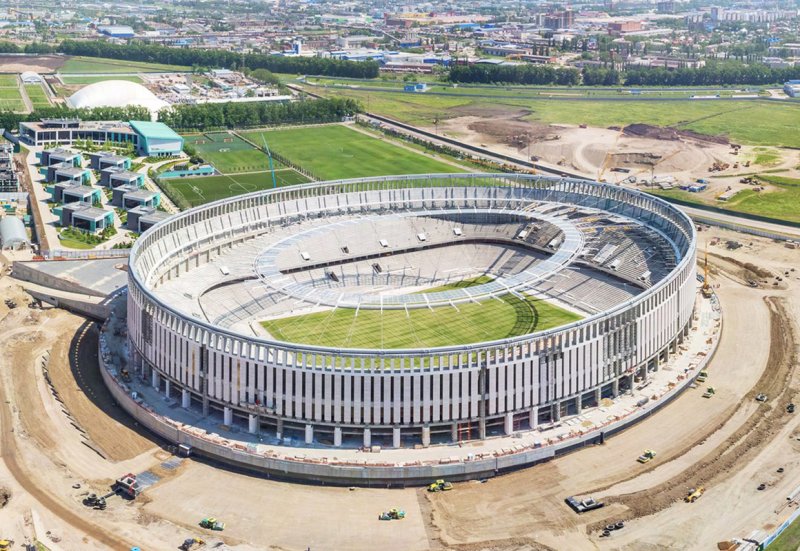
(702, 376)
(191, 543)
(440, 486)
(647, 456)
(392, 514)
(694, 494)
(710, 391)
(210, 523)
(127, 485)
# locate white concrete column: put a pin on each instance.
(426, 436)
(367, 438)
(309, 434)
(167, 387)
(509, 423)
(279, 430)
(154, 379)
(337, 436)
(454, 432)
(227, 416)
(534, 417)
(252, 424)
(186, 398)
(556, 411)
(615, 388)
(598, 395)
(396, 437)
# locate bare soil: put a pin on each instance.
(667, 133)
(37, 64)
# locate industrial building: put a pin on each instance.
(13, 234)
(152, 139)
(9, 180)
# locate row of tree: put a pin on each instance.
(714, 73)
(208, 116)
(154, 53)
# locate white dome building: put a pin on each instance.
(116, 93)
(29, 77)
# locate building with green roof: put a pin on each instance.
(156, 139)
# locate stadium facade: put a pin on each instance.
(200, 282)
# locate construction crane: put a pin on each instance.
(706, 289)
(269, 156)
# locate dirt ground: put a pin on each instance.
(730, 443)
(642, 151)
(37, 64)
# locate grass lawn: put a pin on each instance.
(37, 95)
(781, 203)
(200, 190)
(789, 540)
(766, 123)
(228, 153)
(8, 81)
(91, 80)
(11, 99)
(421, 327)
(73, 244)
(335, 151)
(92, 65)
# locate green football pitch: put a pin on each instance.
(228, 153)
(190, 192)
(422, 327)
(331, 152)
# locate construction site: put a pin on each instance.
(78, 472)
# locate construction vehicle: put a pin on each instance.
(210, 523)
(440, 486)
(694, 494)
(583, 505)
(191, 543)
(5, 545)
(790, 408)
(709, 392)
(702, 376)
(706, 288)
(761, 398)
(392, 514)
(647, 456)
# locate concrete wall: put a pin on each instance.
(26, 271)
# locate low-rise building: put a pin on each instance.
(103, 159)
(59, 155)
(143, 218)
(66, 172)
(114, 177)
(86, 217)
(70, 192)
(129, 197)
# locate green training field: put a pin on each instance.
(228, 153)
(11, 99)
(421, 327)
(8, 81)
(91, 80)
(190, 192)
(336, 151)
(37, 95)
(93, 65)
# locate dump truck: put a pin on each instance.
(392, 514)
(440, 486)
(709, 392)
(647, 456)
(694, 494)
(210, 523)
(702, 376)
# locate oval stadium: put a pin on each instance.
(410, 311)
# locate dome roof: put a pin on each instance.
(115, 93)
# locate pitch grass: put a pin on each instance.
(781, 203)
(335, 151)
(92, 79)
(753, 122)
(421, 327)
(94, 65)
(8, 81)
(789, 540)
(37, 95)
(228, 153)
(193, 191)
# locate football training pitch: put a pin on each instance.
(332, 152)
(190, 192)
(422, 327)
(228, 153)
